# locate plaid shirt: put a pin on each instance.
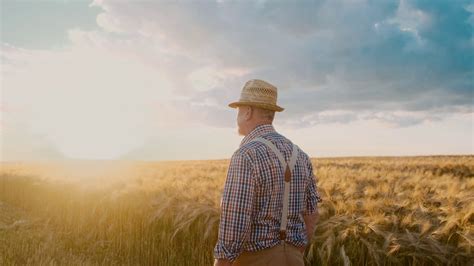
(251, 204)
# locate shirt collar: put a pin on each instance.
(256, 132)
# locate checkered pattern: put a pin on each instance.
(251, 204)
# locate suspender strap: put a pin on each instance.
(287, 169)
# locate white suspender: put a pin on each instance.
(288, 169)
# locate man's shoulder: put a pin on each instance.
(302, 155)
(282, 138)
(252, 147)
(306, 159)
(248, 149)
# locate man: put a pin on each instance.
(269, 203)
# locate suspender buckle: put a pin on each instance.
(282, 235)
(287, 174)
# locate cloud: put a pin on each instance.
(323, 56)
(158, 70)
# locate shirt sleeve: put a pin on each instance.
(236, 207)
(312, 197)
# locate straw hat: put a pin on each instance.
(258, 93)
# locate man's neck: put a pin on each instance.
(258, 124)
(258, 130)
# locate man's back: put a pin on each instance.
(253, 196)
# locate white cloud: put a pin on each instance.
(410, 19)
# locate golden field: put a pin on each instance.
(375, 211)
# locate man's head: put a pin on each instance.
(250, 117)
(257, 105)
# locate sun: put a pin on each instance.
(88, 103)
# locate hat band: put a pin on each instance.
(257, 98)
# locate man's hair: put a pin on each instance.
(265, 114)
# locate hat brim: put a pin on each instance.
(272, 107)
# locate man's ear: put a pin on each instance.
(249, 113)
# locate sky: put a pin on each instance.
(151, 80)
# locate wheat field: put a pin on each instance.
(375, 211)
